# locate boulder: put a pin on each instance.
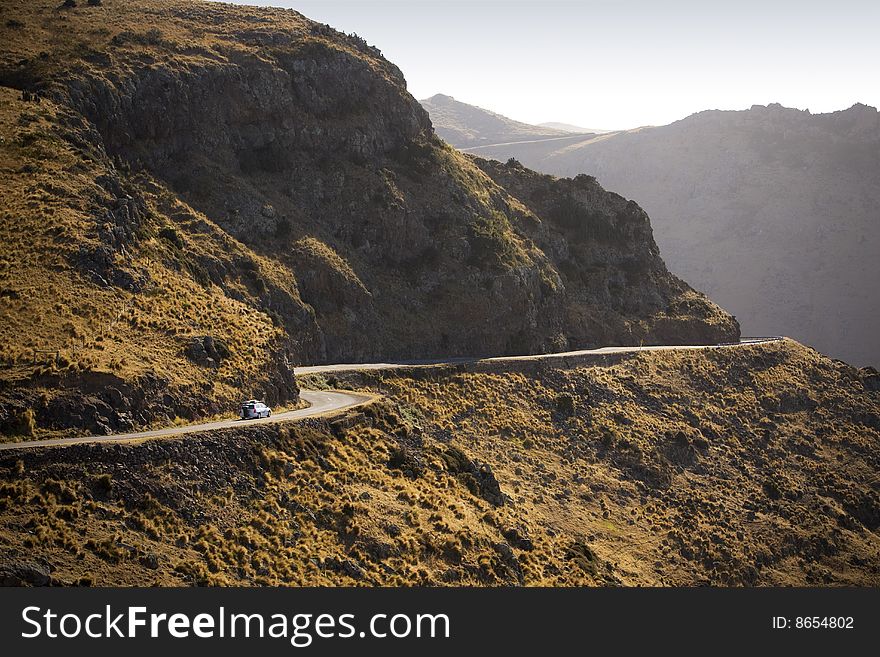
(518, 538)
(206, 350)
(115, 398)
(870, 378)
(478, 477)
(25, 573)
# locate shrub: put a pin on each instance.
(104, 482)
(170, 234)
(282, 228)
(565, 405)
(585, 222)
(62, 492)
(153, 36)
(492, 241)
(22, 423)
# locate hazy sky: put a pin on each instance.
(619, 63)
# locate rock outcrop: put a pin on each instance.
(272, 182)
(771, 211)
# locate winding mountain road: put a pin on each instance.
(574, 137)
(325, 402)
(321, 402)
(350, 367)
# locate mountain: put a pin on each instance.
(198, 197)
(567, 127)
(464, 125)
(472, 128)
(773, 212)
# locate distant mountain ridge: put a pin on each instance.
(464, 125)
(773, 212)
(575, 129)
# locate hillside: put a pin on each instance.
(567, 127)
(197, 197)
(745, 466)
(465, 126)
(772, 212)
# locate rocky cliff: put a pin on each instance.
(603, 248)
(211, 194)
(772, 211)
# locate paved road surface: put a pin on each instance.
(350, 367)
(321, 402)
(574, 137)
(330, 402)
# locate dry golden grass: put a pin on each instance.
(329, 512)
(188, 32)
(751, 466)
(60, 326)
(366, 238)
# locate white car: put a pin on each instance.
(252, 409)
